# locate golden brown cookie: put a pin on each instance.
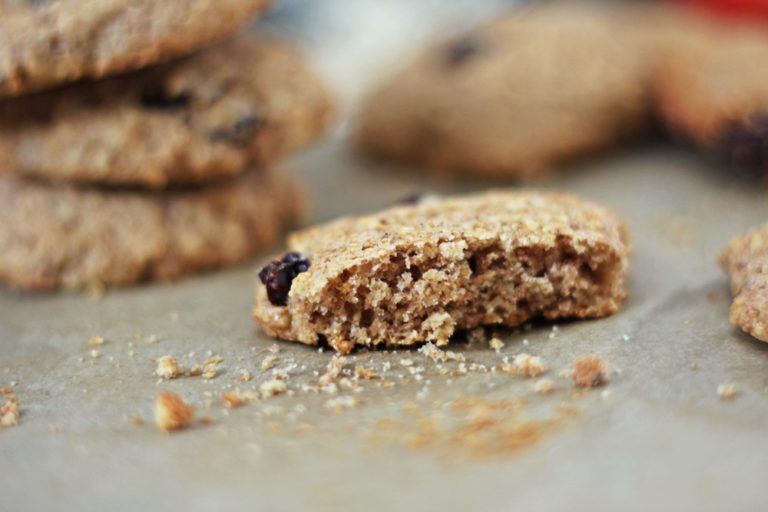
(60, 236)
(535, 87)
(206, 117)
(746, 262)
(44, 43)
(420, 273)
(714, 92)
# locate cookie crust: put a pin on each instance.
(196, 120)
(66, 237)
(745, 260)
(50, 42)
(420, 273)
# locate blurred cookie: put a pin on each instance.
(61, 236)
(528, 90)
(420, 273)
(714, 92)
(49, 42)
(746, 262)
(209, 116)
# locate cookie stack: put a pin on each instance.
(111, 174)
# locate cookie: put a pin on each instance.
(712, 92)
(419, 273)
(533, 88)
(245, 102)
(62, 236)
(50, 42)
(745, 260)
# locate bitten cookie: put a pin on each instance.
(531, 89)
(714, 92)
(50, 42)
(209, 116)
(745, 260)
(419, 273)
(58, 236)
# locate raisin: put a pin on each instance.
(746, 142)
(278, 276)
(461, 50)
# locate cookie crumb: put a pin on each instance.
(496, 344)
(269, 362)
(438, 355)
(590, 371)
(233, 400)
(195, 371)
(96, 341)
(245, 376)
(6, 390)
(9, 413)
(171, 412)
(210, 367)
(168, 368)
(333, 371)
(272, 388)
(727, 391)
(364, 373)
(544, 386)
(528, 366)
(95, 354)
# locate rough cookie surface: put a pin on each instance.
(528, 90)
(56, 236)
(421, 272)
(44, 43)
(746, 262)
(244, 102)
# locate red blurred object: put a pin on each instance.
(736, 9)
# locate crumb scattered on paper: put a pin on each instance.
(590, 371)
(171, 412)
(727, 391)
(233, 400)
(96, 341)
(528, 366)
(9, 413)
(168, 368)
(272, 387)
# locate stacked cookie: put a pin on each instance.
(111, 174)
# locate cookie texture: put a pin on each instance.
(62, 236)
(212, 115)
(44, 43)
(420, 273)
(713, 92)
(745, 260)
(532, 88)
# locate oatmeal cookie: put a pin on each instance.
(244, 102)
(421, 272)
